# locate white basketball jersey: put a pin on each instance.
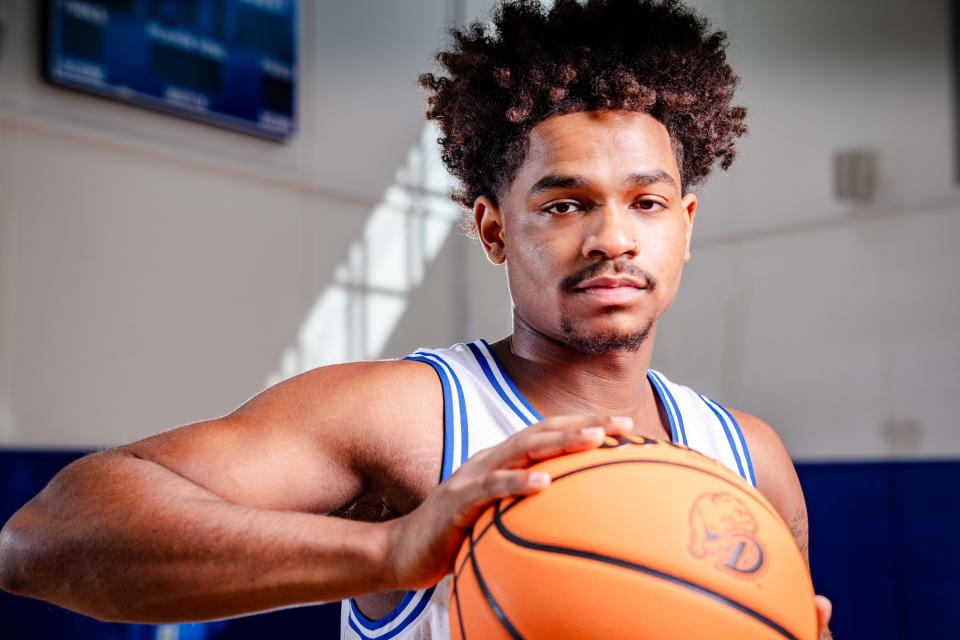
(482, 407)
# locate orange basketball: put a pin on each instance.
(638, 539)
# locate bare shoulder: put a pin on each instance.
(381, 417)
(352, 401)
(775, 473)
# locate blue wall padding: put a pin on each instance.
(883, 542)
(22, 475)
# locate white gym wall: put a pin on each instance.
(155, 271)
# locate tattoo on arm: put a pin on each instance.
(800, 531)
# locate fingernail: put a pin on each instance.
(538, 479)
(594, 433)
(623, 421)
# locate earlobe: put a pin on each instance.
(489, 223)
(690, 208)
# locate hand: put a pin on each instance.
(423, 544)
(824, 611)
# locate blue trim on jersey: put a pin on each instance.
(512, 386)
(447, 468)
(464, 428)
(726, 432)
(677, 432)
(496, 385)
(676, 407)
(413, 615)
(674, 436)
(743, 443)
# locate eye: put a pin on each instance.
(562, 208)
(649, 205)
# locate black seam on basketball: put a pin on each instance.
(608, 464)
(665, 462)
(458, 570)
(456, 591)
(456, 599)
(497, 611)
(633, 566)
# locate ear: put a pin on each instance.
(490, 229)
(689, 204)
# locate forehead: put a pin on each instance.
(599, 145)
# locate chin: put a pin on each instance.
(598, 340)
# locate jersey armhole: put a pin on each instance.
(408, 610)
(446, 468)
(456, 432)
(396, 620)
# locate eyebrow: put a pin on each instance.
(652, 177)
(642, 179)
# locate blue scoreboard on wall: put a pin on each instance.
(230, 63)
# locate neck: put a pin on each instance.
(564, 381)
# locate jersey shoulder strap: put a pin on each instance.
(698, 422)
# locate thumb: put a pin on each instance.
(824, 611)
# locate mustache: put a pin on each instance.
(607, 268)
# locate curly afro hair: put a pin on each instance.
(652, 56)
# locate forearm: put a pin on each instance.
(132, 541)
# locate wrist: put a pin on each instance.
(383, 544)
(349, 558)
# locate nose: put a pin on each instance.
(610, 234)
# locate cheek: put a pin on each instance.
(664, 255)
(536, 253)
(536, 264)
(529, 271)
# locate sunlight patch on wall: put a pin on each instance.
(353, 318)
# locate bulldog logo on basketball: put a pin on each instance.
(723, 529)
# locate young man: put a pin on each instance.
(577, 135)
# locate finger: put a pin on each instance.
(551, 444)
(502, 483)
(513, 482)
(531, 447)
(824, 611)
(614, 425)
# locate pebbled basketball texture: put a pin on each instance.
(638, 539)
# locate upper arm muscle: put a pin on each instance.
(776, 475)
(304, 444)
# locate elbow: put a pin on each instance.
(27, 566)
(29, 554)
(14, 577)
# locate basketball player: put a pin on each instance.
(577, 135)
